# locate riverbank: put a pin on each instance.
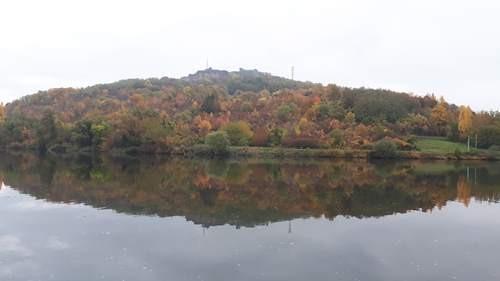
(281, 152)
(275, 152)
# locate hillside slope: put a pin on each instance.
(252, 107)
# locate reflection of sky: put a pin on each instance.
(74, 242)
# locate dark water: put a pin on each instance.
(178, 219)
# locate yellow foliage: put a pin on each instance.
(350, 118)
(205, 126)
(463, 191)
(239, 133)
(465, 120)
(440, 117)
(137, 100)
(302, 125)
(439, 114)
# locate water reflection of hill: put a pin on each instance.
(251, 192)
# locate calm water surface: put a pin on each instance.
(176, 219)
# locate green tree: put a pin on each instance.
(337, 138)
(89, 134)
(218, 142)
(488, 136)
(211, 104)
(98, 133)
(239, 133)
(453, 132)
(46, 131)
(384, 149)
(285, 111)
(82, 133)
(330, 110)
(276, 136)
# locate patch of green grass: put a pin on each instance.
(439, 145)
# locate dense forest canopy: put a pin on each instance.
(245, 107)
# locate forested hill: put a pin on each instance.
(109, 97)
(249, 107)
(72, 104)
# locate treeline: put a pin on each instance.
(240, 108)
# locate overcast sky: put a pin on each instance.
(447, 47)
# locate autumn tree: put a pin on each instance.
(137, 100)
(483, 118)
(205, 126)
(465, 121)
(440, 117)
(350, 118)
(302, 126)
(260, 137)
(202, 125)
(415, 124)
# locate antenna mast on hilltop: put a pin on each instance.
(293, 71)
(207, 64)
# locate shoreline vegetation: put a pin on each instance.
(271, 152)
(246, 113)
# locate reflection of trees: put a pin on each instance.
(463, 191)
(249, 192)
